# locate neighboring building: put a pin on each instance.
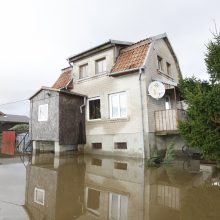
(121, 117)
(8, 121)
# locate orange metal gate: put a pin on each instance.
(8, 142)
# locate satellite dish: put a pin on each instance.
(156, 89)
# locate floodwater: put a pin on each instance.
(46, 187)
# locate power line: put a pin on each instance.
(23, 100)
(9, 103)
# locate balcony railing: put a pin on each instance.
(167, 120)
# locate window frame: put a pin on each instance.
(160, 63)
(168, 67)
(118, 107)
(120, 165)
(35, 196)
(95, 144)
(43, 107)
(97, 213)
(96, 162)
(118, 143)
(88, 111)
(119, 207)
(96, 66)
(80, 68)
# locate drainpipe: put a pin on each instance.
(83, 105)
(70, 63)
(142, 109)
(68, 60)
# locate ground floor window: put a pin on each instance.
(118, 105)
(94, 108)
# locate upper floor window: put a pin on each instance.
(94, 109)
(168, 68)
(83, 71)
(160, 63)
(100, 66)
(118, 105)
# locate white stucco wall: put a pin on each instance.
(129, 129)
(106, 130)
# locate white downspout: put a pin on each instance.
(142, 110)
(83, 105)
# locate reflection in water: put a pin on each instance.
(86, 187)
(55, 188)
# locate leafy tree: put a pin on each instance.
(212, 59)
(201, 129)
(20, 128)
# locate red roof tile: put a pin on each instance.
(64, 80)
(131, 57)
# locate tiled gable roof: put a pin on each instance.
(131, 57)
(64, 80)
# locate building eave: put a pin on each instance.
(98, 48)
(124, 72)
(64, 91)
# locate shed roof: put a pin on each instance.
(64, 91)
(65, 80)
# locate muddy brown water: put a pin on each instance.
(46, 187)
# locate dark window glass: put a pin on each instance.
(94, 109)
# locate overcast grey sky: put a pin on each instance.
(38, 35)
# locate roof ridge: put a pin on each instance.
(135, 45)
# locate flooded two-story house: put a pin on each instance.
(122, 118)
